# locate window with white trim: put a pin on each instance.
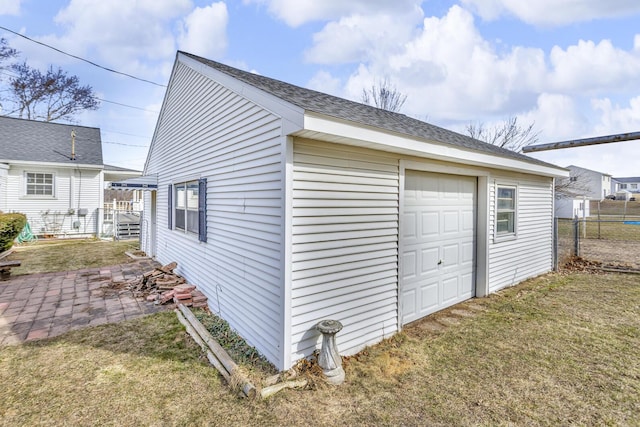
(39, 184)
(186, 206)
(506, 210)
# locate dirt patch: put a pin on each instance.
(614, 252)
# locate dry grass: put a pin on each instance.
(46, 256)
(558, 350)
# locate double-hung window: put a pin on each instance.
(187, 207)
(39, 184)
(506, 211)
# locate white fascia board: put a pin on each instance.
(52, 164)
(350, 133)
(292, 115)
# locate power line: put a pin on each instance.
(127, 145)
(123, 133)
(10, 74)
(82, 59)
(125, 105)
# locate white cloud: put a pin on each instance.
(323, 81)
(450, 72)
(592, 67)
(616, 119)
(9, 7)
(120, 33)
(553, 12)
(362, 38)
(204, 31)
(298, 12)
(557, 117)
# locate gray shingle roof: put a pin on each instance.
(30, 140)
(318, 102)
(112, 168)
(628, 179)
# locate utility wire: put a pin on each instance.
(82, 59)
(94, 97)
(125, 105)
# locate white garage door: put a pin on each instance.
(438, 232)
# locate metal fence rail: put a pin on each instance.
(610, 241)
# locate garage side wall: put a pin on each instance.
(208, 131)
(345, 251)
(530, 253)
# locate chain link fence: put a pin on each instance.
(610, 240)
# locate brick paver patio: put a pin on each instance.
(45, 305)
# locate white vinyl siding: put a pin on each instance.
(74, 189)
(345, 245)
(236, 145)
(531, 252)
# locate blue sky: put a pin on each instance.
(571, 67)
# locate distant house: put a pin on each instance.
(584, 182)
(287, 206)
(569, 207)
(53, 173)
(631, 184)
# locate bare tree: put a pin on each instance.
(49, 96)
(510, 134)
(384, 95)
(6, 51)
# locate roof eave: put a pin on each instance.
(53, 164)
(331, 129)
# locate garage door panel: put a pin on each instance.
(451, 254)
(430, 222)
(410, 264)
(451, 222)
(409, 304)
(467, 252)
(466, 283)
(449, 290)
(445, 231)
(429, 261)
(428, 298)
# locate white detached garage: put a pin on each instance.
(287, 206)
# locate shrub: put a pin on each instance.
(10, 227)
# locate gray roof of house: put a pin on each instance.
(34, 141)
(112, 168)
(318, 102)
(627, 180)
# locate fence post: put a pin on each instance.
(555, 244)
(576, 237)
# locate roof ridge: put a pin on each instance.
(345, 109)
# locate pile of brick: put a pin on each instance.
(162, 286)
(183, 294)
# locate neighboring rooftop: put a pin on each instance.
(571, 167)
(112, 168)
(627, 180)
(318, 102)
(34, 141)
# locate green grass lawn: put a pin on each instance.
(47, 256)
(558, 350)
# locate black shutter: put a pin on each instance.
(170, 207)
(202, 209)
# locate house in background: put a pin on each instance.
(54, 174)
(586, 183)
(287, 206)
(572, 207)
(631, 184)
